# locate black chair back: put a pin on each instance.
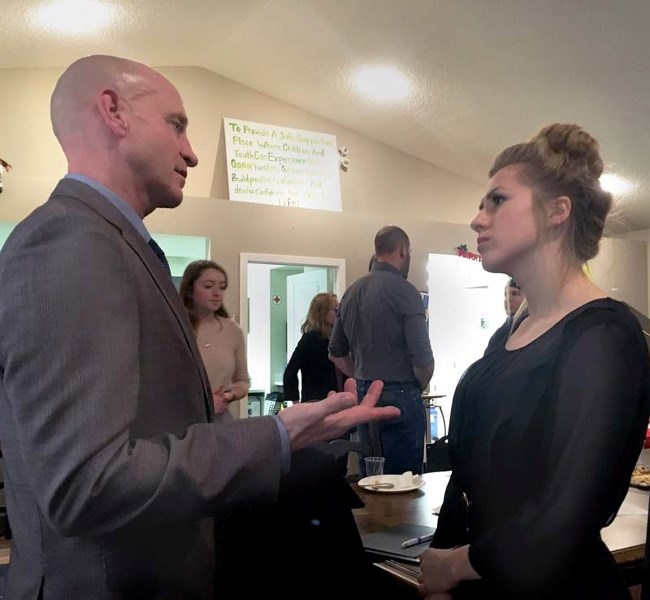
(438, 456)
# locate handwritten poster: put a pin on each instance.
(282, 166)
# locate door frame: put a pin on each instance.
(280, 259)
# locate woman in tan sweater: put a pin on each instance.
(219, 338)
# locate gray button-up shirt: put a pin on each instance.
(381, 322)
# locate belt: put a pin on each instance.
(392, 384)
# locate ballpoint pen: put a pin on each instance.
(418, 540)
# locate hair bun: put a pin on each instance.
(574, 149)
(564, 160)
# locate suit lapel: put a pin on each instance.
(98, 203)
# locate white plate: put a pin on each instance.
(402, 483)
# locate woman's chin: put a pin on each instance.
(491, 266)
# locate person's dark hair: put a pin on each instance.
(564, 160)
(390, 238)
(319, 306)
(372, 261)
(192, 272)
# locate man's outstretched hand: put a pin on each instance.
(330, 418)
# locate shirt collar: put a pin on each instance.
(124, 207)
(383, 266)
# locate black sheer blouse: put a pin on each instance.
(543, 441)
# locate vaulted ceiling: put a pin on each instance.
(485, 74)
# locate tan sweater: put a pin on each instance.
(222, 347)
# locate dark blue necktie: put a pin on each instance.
(160, 254)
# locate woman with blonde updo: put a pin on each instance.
(220, 340)
(545, 430)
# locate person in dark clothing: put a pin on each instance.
(319, 376)
(545, 430)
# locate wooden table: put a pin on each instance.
(625, 537)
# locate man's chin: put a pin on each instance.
(170, 200)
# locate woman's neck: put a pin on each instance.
(206, 318)
(550, 297)
(553, 286)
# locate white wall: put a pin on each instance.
(642, 236)
(382, 185)
(621, 269)
(463, 314)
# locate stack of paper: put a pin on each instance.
(406, 572)
(388, 542)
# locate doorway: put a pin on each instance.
(275, 292)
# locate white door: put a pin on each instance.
(301, 289)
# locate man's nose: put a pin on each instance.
(188, 154)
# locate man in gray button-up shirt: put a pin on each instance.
(381, 333)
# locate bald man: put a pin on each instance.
(113, 462)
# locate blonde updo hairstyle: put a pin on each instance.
(564, 160)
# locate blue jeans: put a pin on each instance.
(400, 441)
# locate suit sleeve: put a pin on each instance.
(601, 404)
(72, 380)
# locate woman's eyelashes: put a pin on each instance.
(208, 286)
(492, 200)
(497, 198)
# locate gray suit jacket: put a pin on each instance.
(112, 464)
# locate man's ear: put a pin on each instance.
(559, 210)
(403, 251)
(111, 109)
